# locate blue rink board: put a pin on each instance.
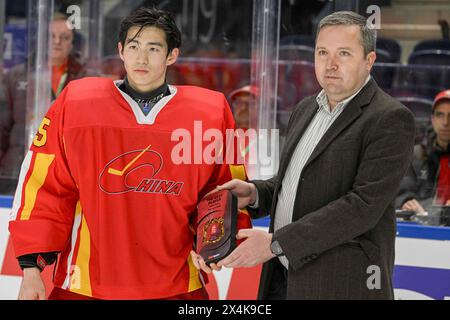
(404, 230)
(6, 201)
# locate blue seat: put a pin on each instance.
(383, 73)
(388, 50)
(435, 44)
(421, 108)
(384, 56)
(430, 57)
(427, 74)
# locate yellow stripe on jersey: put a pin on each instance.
(80, 281)
(35, 182)
(194, 277)
(238, 172)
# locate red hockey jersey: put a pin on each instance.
(99, 185)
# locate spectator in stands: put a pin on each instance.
(243, 106)
(242, 100)
(66, 66)
(427, 181)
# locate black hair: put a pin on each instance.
(151, 17)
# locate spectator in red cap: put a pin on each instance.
(427, 181)
(242, 100)
(243, 103)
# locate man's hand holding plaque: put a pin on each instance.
(217, 222)
(255, 248)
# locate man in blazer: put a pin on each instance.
(333, 227)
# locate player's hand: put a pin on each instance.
(245, 191)
(32, 287)
(413, 205)
(199, 263)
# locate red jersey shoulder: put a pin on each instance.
(83, 98)
(200, 95)
(202, 98)
(90, 88)
(194, 92)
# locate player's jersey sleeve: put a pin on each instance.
(46, 197)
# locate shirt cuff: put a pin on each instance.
(256, 204)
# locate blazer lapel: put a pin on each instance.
(351, 112)
(293, 139)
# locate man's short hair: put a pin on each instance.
(349, 18)
(151, 17)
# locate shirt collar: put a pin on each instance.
(322, 99)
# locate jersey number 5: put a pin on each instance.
(41, 137)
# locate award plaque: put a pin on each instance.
(216, 226)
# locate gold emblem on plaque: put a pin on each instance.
(213, 231)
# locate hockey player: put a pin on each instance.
(99, 187)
